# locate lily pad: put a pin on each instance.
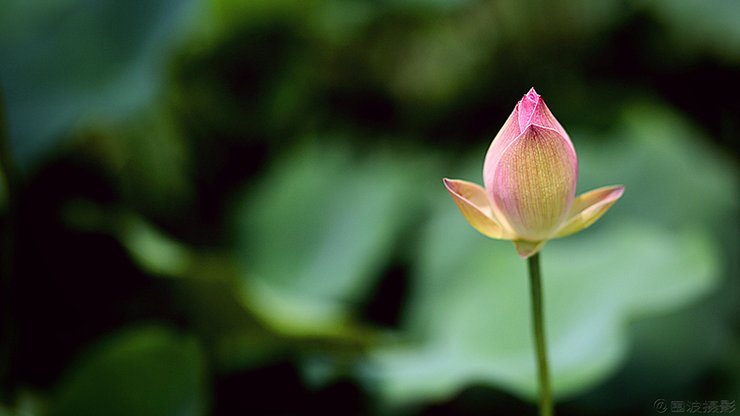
(315, 234)
(471, 313)
(62, 63)
(144, 371)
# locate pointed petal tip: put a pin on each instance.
(535, 112)
(452, 185)
(589, 207)
(473, 203)
(618, 191)
(532, 94)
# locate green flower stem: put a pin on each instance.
(535, 283)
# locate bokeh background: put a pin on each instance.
(235, 207)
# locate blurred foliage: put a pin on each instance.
(64, 62)
(470, 310)
(226, 207)
(315, 236)
(137, 366)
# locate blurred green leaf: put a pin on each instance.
(234, 337)
(62, 63)
(153, 250)
(671, 176)
(27, 403)
(149, 156)
(468, 319)
(700, 26)
(316, 232)
(471, 314)
(144, 371)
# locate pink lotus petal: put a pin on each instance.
(530, 110)
(530, 173)
(588, 208)
(533, 110)
(507, 134)
(473, 203)
(534, 182)
(527, 106)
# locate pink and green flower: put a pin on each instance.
(530, 175)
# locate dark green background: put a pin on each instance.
(228, 207)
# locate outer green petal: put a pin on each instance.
(473, 203)
(589, 207)
(528, 248)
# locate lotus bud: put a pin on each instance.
(530, 175)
